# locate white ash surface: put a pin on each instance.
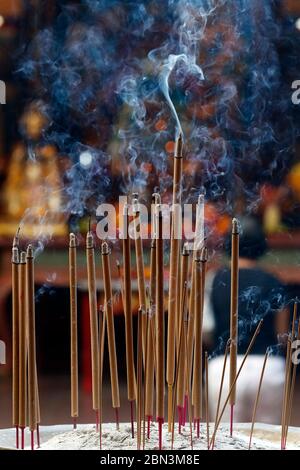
(86, 438)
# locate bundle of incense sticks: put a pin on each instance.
(73, 328)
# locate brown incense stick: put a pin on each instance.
(22, 346)
(178, 353)
(102, 329)
(91, 272)
(159, 317)
(150, 353)
(198, 245)
(110, 326)
(258, 397)
(293, 382)
(182, 358)
(221, 385)
(139, 404)
(15, 340)
(256, 333)
(139, 253)
(174, 271)
(234, 315)
(199, 281)
(73, 328)
(32, 385)
(188, 380)
(206, 399)
(131, 378)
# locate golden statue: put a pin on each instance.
(32, 191)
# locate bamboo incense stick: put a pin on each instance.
(199, 285)
(32, 384)
(206, 399)
(178, 353)
(131, 378)
(139, 403)
(198, 245)
(159, 317)
(91, 272)
(221, 385)
(182, 358)
(139, 253)
(110, 326)
(234, 316)
(258, 397)
(150, 353)
(188, 380)
(22, 347)
(292, 388)
(73, 328)
(102, 329)
(256, 333)
(15, 341)
(173, 278)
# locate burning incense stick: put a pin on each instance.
(206, 399)
(150, 353)
(199, 285)
(182, 358)
(15, 341)
(256, 333)
(110, 326)
(73, 328)
(221, 386)
(131, 378)
(22, 347)
(160, 353)
(173, 279)
(139, 253)
(91, 272)
(234, 316)
(258, 397)
(32, 384)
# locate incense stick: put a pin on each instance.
(139, 403)
(285, 391)
(173, 277)
(178, 352)
(91, 272)
(32, 385)
(131, 378)
(182, 358)
(258, 397)
(15, 341)
(221, 385)
(234, 315)
(22, 347)
(199, 282)
(102, 329)
(206, 399)
(159, 317)
(113, 364)
(150, 353)
(139, 253)
(256, 333)
(73, 328)
(188, 380)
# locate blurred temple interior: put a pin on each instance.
(69, 141)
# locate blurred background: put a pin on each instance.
(70, 140)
